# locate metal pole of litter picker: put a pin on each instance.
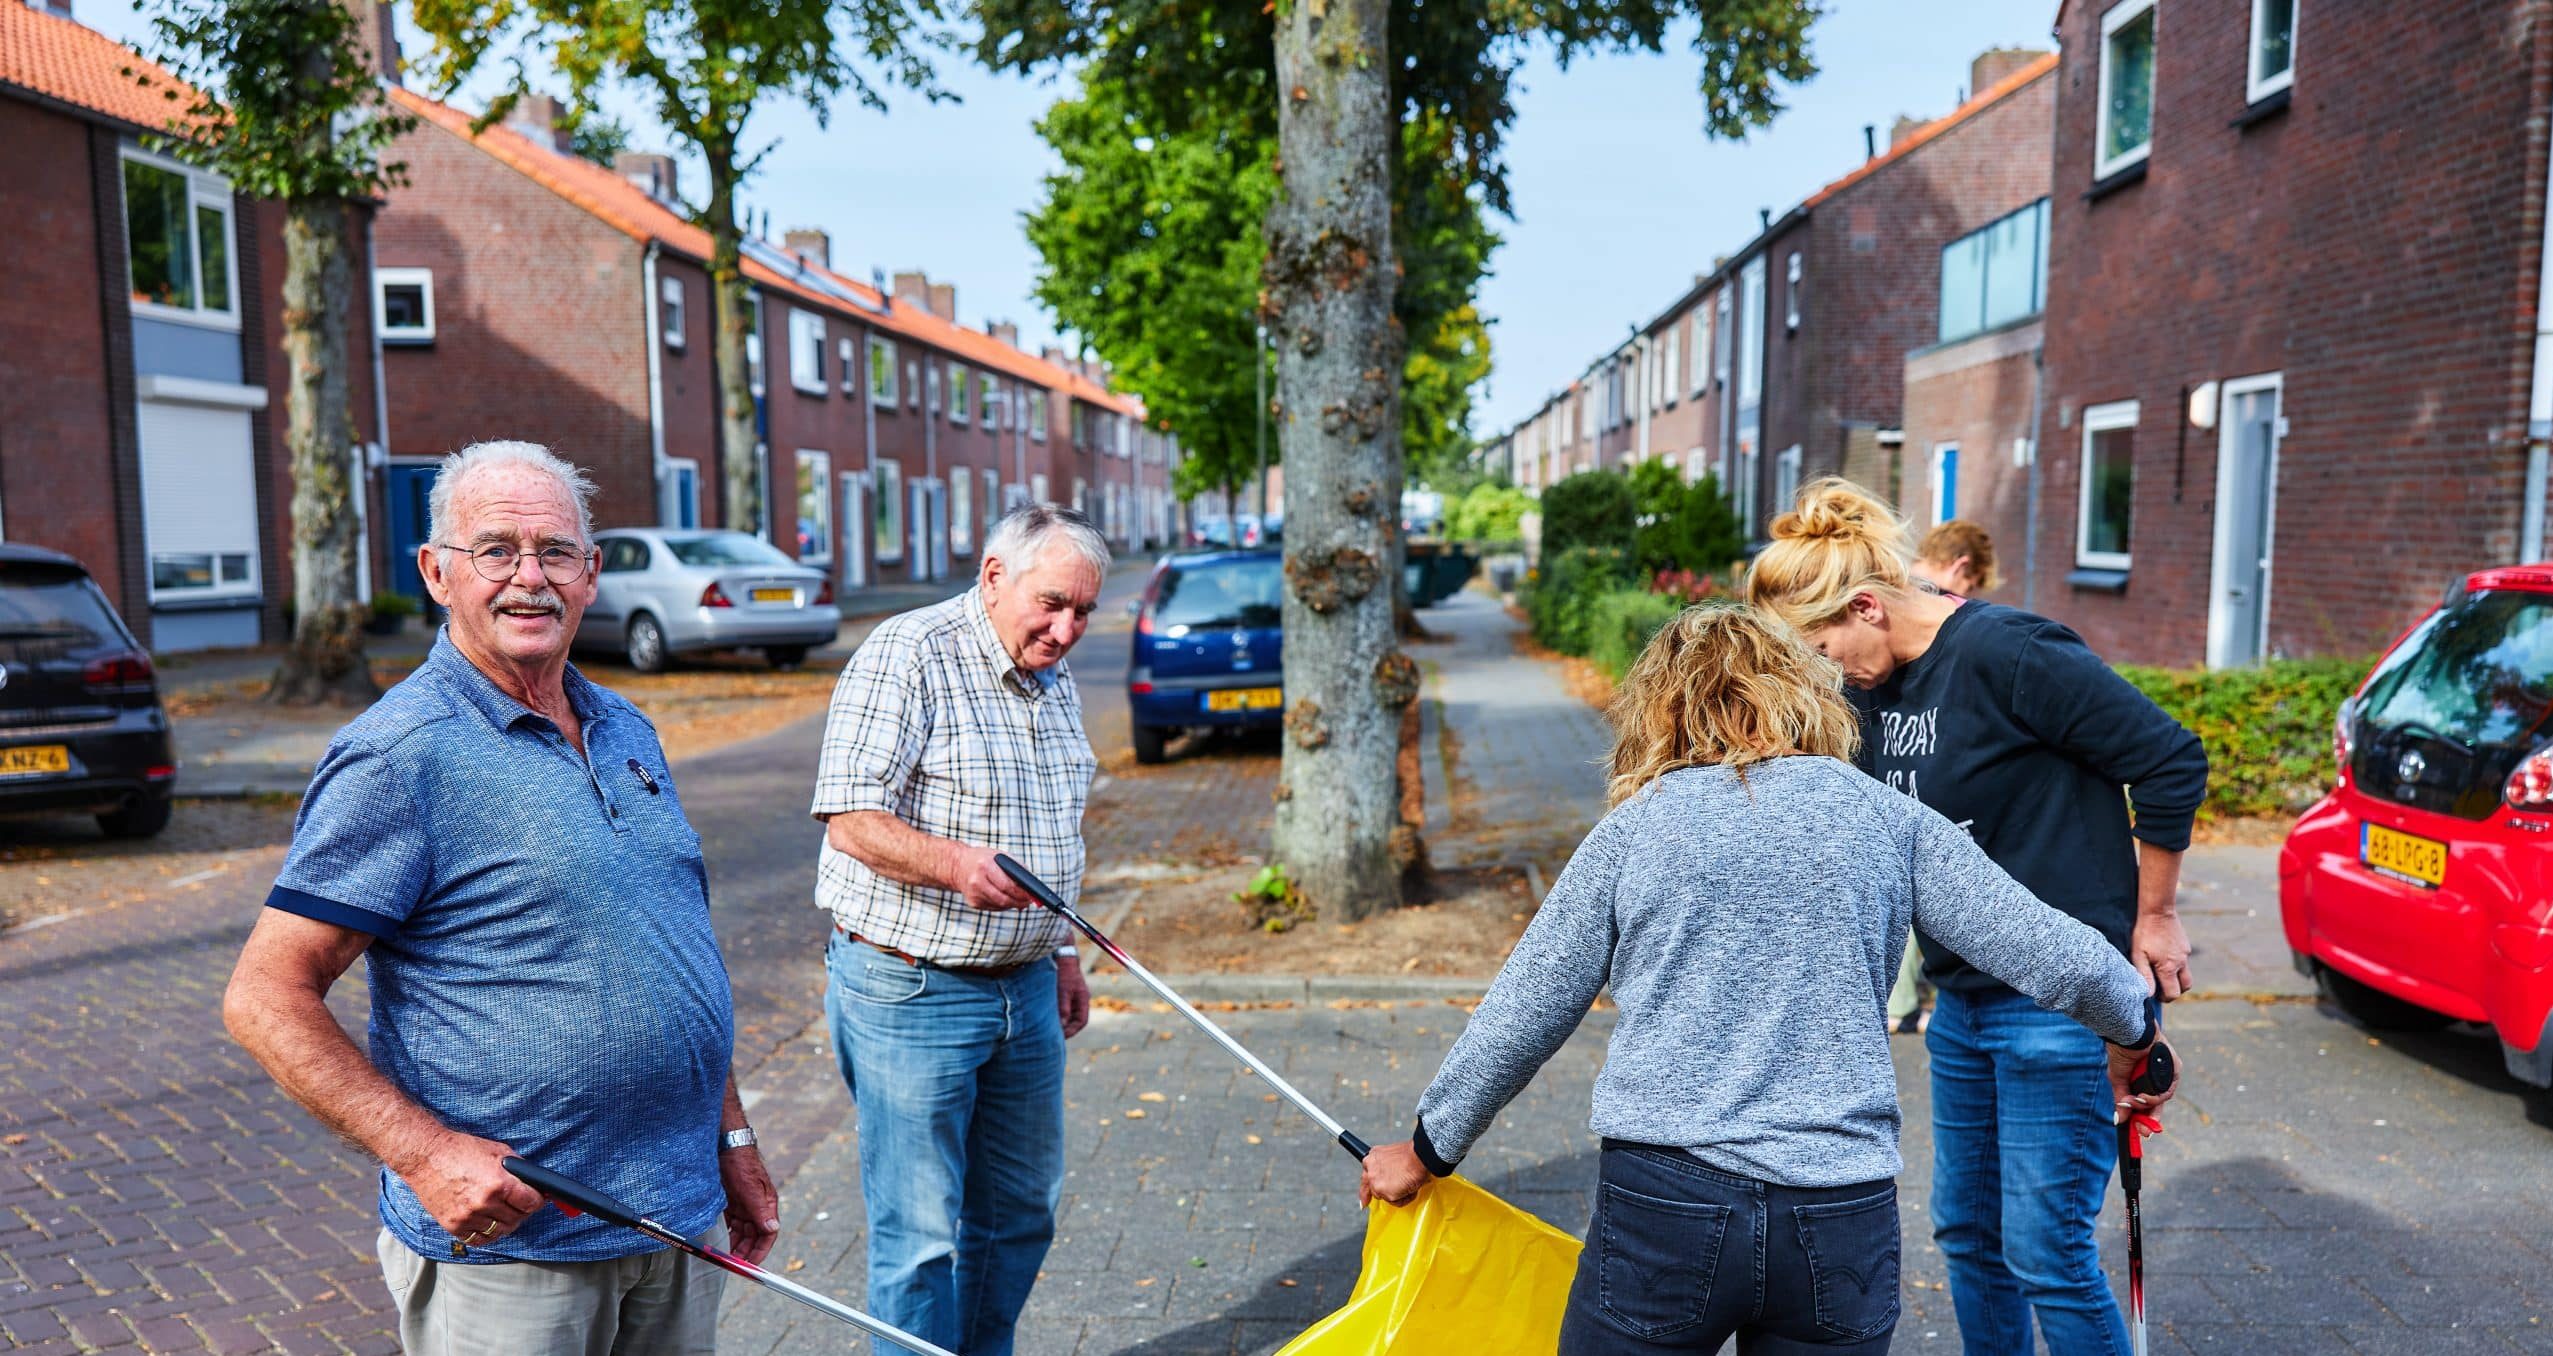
(1045, 895)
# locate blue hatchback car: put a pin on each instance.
(1209, 647)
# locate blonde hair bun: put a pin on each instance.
(1838, 540)
(1836, 509)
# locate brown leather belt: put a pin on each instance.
(970, 971)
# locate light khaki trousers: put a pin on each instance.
(661, 1303)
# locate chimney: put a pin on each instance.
(1870, 141)
(60, 9)
(1004, 332)
(1995, 64)
(654, 174)
(914, 289)
(1904, 127)
(810, 245)
(944, 301)
(376, 36)
(1054, 354)
(537, 116)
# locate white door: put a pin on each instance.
(199, 501)
(855, 530)
(918, 513)
(2248, 430)
(939, 492)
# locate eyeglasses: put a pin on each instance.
(497, 563)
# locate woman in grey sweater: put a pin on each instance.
(1747, 900)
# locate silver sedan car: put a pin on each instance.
(664, 591)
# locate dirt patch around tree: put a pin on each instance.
(1461, 924)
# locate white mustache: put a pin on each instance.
(521, 599)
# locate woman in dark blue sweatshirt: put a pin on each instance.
(2014, 730)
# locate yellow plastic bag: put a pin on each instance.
(1458, 1272)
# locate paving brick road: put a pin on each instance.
(2320, 1192)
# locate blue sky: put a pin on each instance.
(1619, 197)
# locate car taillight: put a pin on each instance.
(1143, 622)
(124, 673)
(714, 596)
(2340, 739)
(2531, 786)
(824, 594)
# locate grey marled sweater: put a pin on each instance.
(1750, 932)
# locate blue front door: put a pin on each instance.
(409, 523)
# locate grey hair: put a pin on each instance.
(1024, 533)
(477, 456)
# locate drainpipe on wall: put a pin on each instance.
(2030, 518)
(1642, 350)
(647, 303)
(2539, 417)
(379, 453)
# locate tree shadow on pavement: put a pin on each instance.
(1542, 1188)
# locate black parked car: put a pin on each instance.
(81, 727)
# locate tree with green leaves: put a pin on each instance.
(284, 105)
(1336, 82)
(702, 67)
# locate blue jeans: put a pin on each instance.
(2022, 1152)
(1680, 1257)
(959, 1082)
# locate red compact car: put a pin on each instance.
(2420, 890)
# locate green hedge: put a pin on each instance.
(1591, 509)
(1561, 598)
(2267, 728)
(1620, 624)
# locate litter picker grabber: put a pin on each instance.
(576, 1198)
(2155, 1073)
(1045, 895)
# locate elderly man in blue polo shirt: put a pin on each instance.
(501, 840)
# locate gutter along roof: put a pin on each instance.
(617, 202)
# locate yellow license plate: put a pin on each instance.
(775, 595)
(1246, 699)
(35, 760)
(2422, 861)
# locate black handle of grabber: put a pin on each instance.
(573, 1194)
(1037, 889)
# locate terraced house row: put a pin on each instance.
(2228, 318)
(515, 290)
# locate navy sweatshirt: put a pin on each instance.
(2014, 730)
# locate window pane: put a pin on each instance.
(215, 249)
(403, 306)
(155, 224)
(1963, 287)
(882, 370)
(961, 510)
(235, 568)
(957, 393)
(890, 511)
(815, 507)
(181, 572)
(2130, 116)
(2110, 466)
(726, 548)
(2277, 37)
(2011, 258)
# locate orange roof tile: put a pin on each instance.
(623, 205)
(1975, 105)
(71, 63)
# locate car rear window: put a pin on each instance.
(726, 548)
(54, 610)
(2479, 673)
(1222, 593)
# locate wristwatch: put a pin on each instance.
(739, 1138)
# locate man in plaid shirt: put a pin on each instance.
(955, 734)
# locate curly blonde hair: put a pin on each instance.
(1838, 540)
(1724, 684)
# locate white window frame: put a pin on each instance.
(1750, 337)
(1791, 294)
(2120, 414)
(806, 351)
(1786, 473)
(202, 190)
(1037, 415)
(847, 352)
(2120, 16)
(961, 512)
(675, 469)
(1720, 337)
(882, 353)
(673, 313)
(990, 416)
(755, 376)
(961, 411)
(383, 279)
(1942, 511)
(823, 464)
(2256, 86)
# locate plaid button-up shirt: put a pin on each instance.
(934, 723)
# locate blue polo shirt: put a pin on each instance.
(543, 970)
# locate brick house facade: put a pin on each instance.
(142, 419)
(2292, 311)
(570, 305)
